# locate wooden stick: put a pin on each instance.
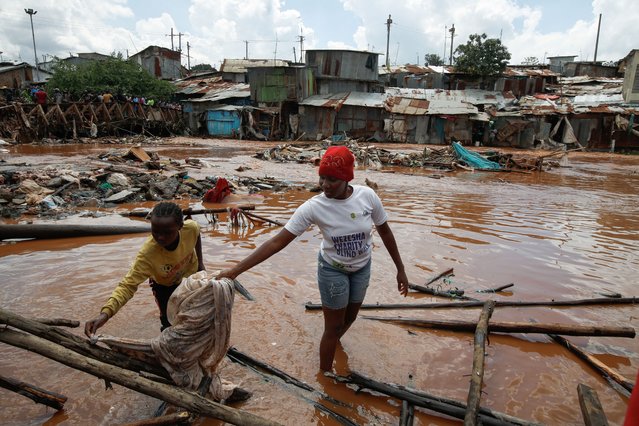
(48, 231)
(78, 344)
(407, 414)
(602, 368)
(499, 303)
(189, 211)
(591, 409)
(59, 322)
(447, 406)
(172, 394)
(438, 276)
(453, 294)
(514, 327)
(39, 395)
(477, 375)
(167, 420)
(265, 219)
(496, 289)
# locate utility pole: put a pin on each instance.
(301, 39)
(180, 41)
(452, 37)
(246, 48)
(445, 37)
(597, 42)
(389, 21)
(188, 55)
(171, 35)
(294, 55)
(32, 12)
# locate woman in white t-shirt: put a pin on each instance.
(345, 214)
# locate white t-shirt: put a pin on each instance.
(346, 225)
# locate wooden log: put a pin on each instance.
(477, 375)
(189, 211)
(452, 294)
(591, 409)
(59, 322)
(78, 344)
(407, 414)
(261, 367)
(599, 366)
(499, 303)
(496, 289)
(172, 394)
(447, 272)
(265, 219)
(180, 418)
(39, 395)
(514, 327)
(49, 231)
(446, 406)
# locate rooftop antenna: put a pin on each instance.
(389, 21)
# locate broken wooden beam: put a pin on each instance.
(602, 368)
(407, 414)
(172, 394)
(79, 344)
(496, 289)
(452, 294)
(434, 278)
(591, 409)
(59, 322)
(499, 303)
(50, 231)
(39, 395)
(514, 327)
(189, 211)
(422, 399)
(477, 373)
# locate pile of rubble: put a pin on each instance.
(370, 156)
(122, 176)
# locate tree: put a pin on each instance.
(114, 74)
(530, 60)
(482, 56)
(202, 67)
(433, 59)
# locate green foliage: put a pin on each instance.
(202, 67)
(433, 59)
(113, 74)
(482, 56)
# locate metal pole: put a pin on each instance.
(452, 37)
(597, 42)
(32, 12)
(389, 21)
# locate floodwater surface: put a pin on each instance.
(570, 233)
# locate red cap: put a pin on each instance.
(338, 162)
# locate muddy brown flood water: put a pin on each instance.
(569, 233)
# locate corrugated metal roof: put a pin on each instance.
(412, 106)
(239, 66)
(529, 72)
(334, 100)
(235, 90)
(472, 96)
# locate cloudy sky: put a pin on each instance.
(221, 29)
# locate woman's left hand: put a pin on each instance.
(402, 283)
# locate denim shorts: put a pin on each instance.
(338, 288)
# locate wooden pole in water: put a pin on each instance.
(50, 231)
(39, 395)
(591, 409)
(189, 211)
(477, 375)
(172, 394)
(514, 327)
(180, 418)
(499, 303)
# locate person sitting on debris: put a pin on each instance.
(57, 96)
(41, 99)
(171, 253)
(345, 214)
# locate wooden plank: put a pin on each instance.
(477, 375)
(39, 395)
(591, 409)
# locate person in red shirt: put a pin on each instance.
(41, 99)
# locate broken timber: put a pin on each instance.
(514, 327)
(189, 211)
(51, 231)
(172, 394)
(180, 418)
(591, 409)
(39, 395)
(442, 405)
(453, 294)
(477, 374)
(499, 303)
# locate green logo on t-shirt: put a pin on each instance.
(353, 215)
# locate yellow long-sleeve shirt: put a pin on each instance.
(163, 266)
